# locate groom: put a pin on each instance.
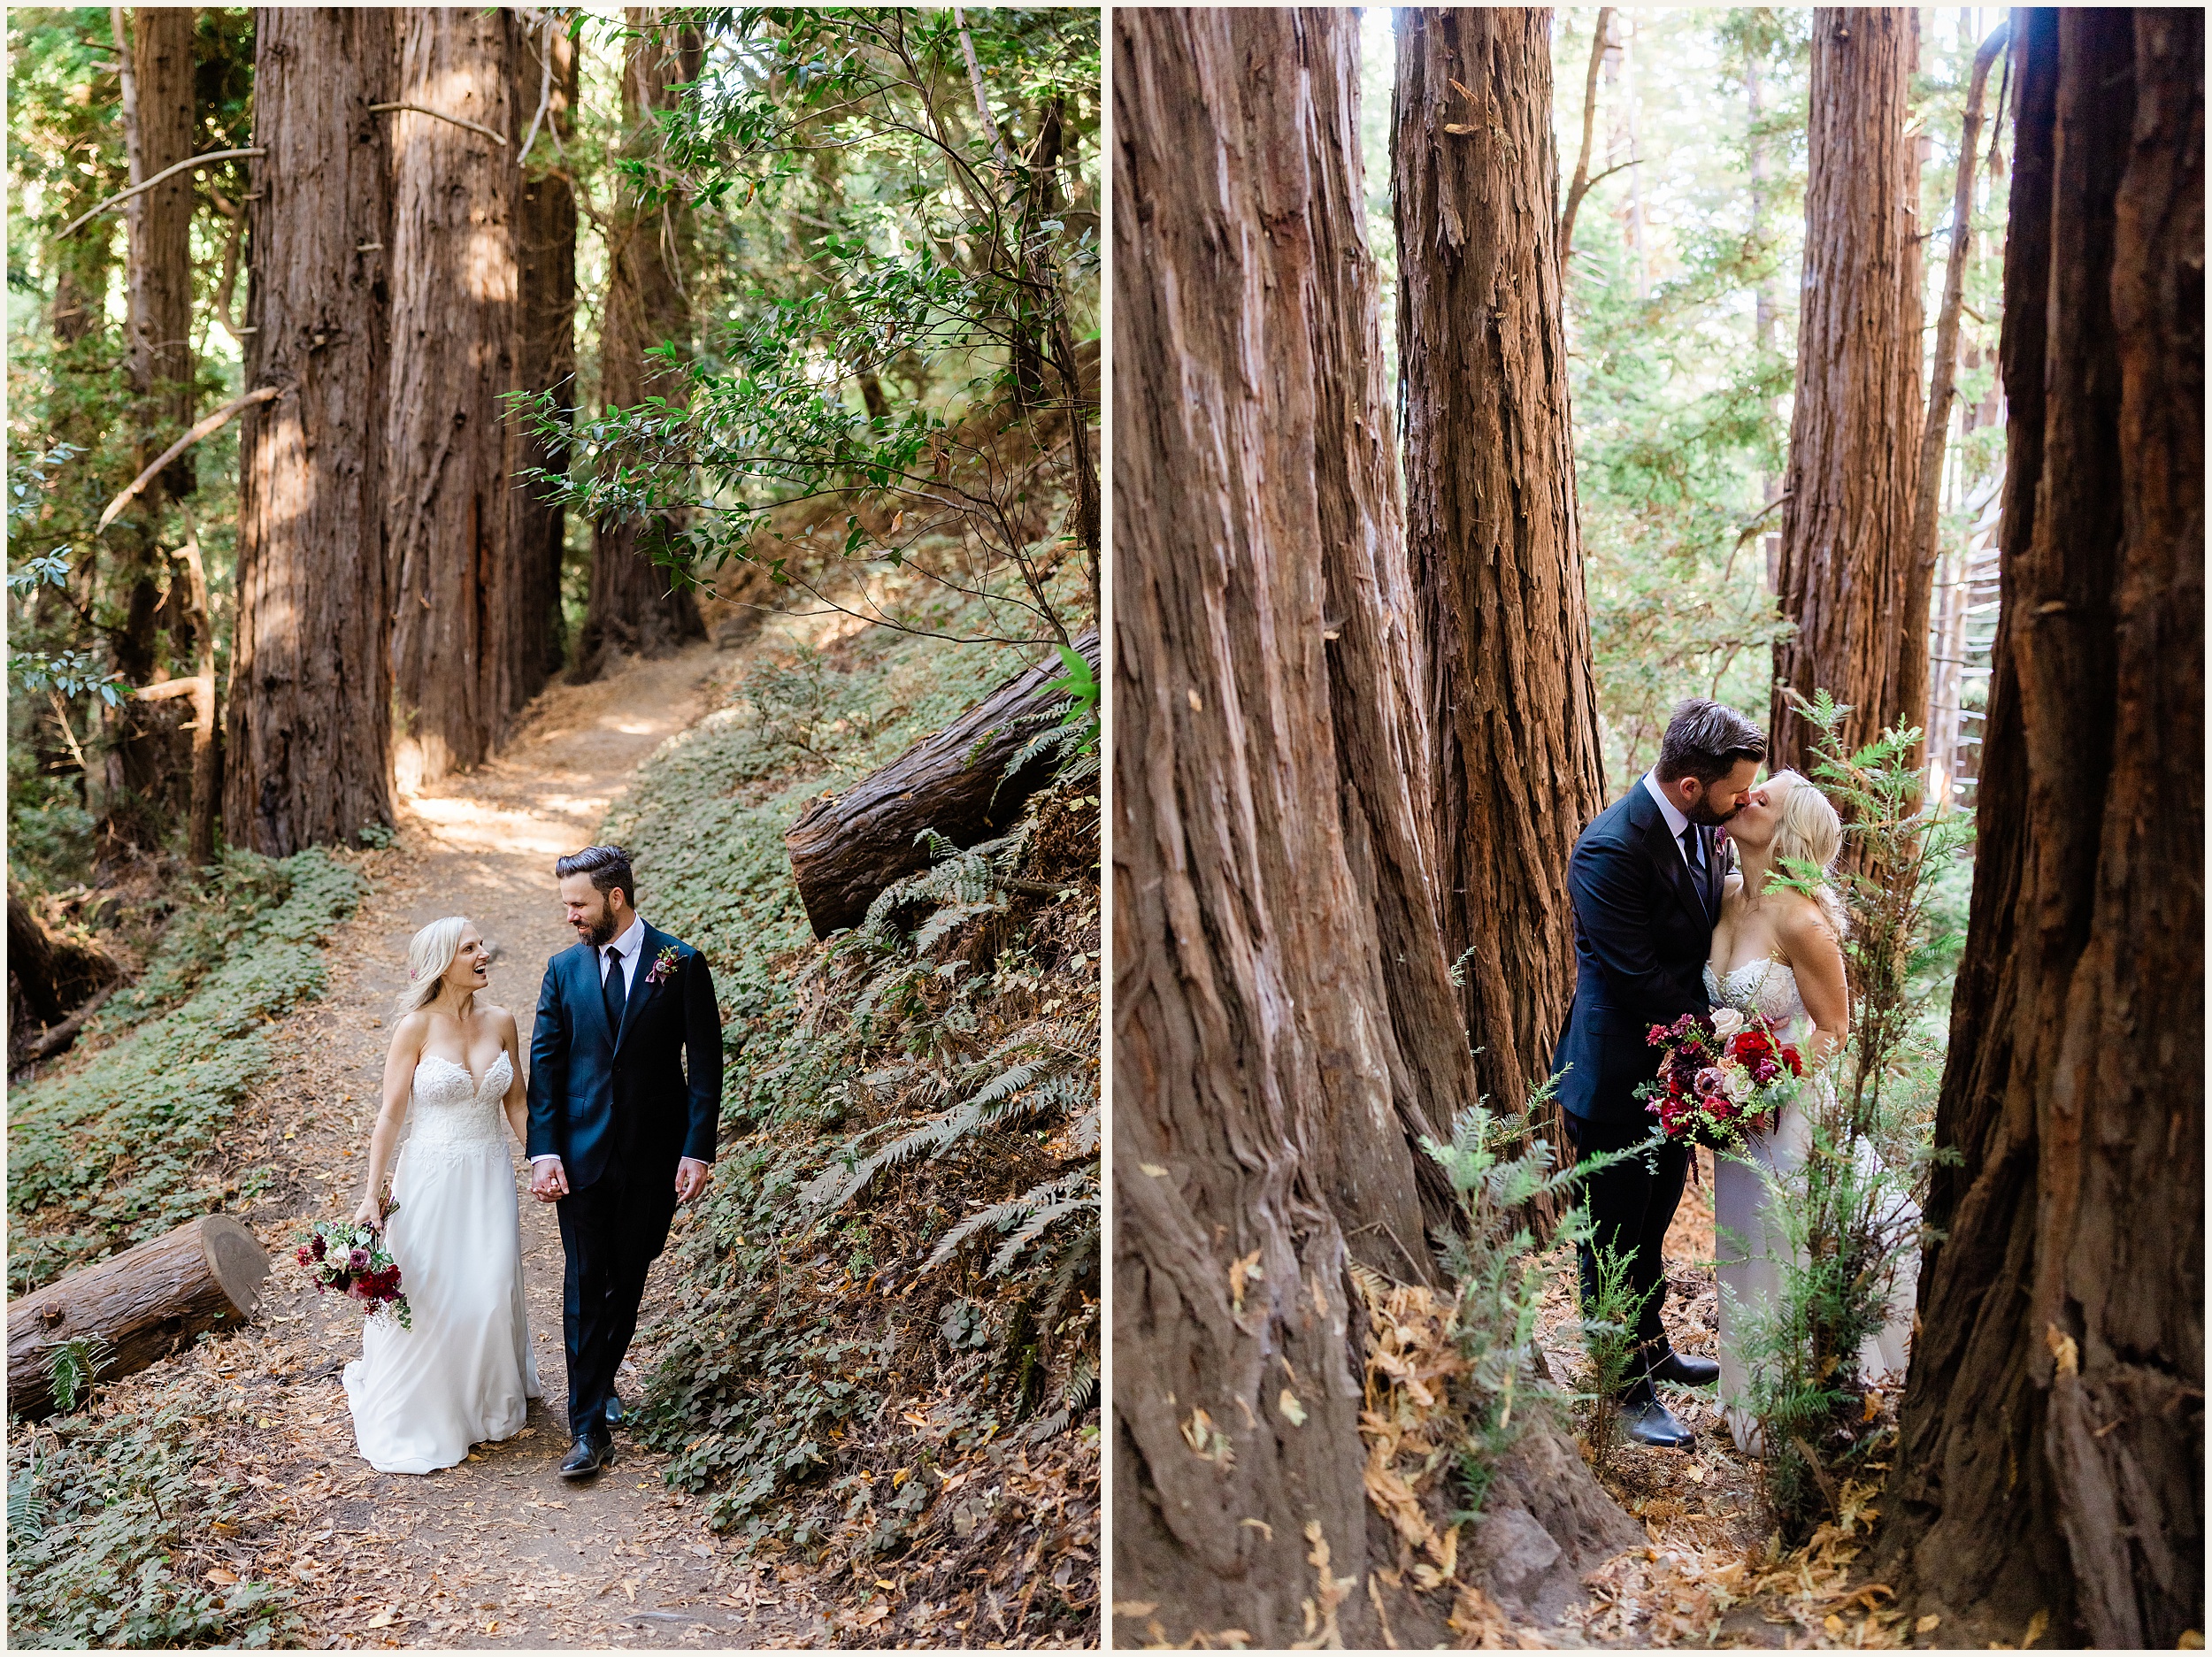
(622, 1129)
(1646, 884)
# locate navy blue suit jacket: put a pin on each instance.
(1643, 930)
(599, 1095)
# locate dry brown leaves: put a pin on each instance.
(1406, 1420)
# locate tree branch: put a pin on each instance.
(1581, 187)
(214, 422)
(498, 138)
(188, 163)
(1943, 375)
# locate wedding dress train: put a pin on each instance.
(463, 1374)
(1749, 1248)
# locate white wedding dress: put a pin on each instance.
(463, 1373)
(1748, 1250)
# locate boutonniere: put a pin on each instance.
(663, 965)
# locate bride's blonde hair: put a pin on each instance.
(1808, 829)
(429, 954)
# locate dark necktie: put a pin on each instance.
(616, 992)
(1693, 850)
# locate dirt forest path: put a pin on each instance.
(499, 1551)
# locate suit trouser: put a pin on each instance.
(609, 1244)
(1630, 1205)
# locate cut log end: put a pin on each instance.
(133, 1311)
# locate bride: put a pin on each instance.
(463, 1373)
(1779, 953)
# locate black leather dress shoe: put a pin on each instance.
(1652, 1423)
(586, 1456)
(614, 1405)
(1679, 1368)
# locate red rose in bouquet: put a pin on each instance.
(352, 1259)
(1719, 1075)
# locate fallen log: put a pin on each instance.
(54, 969)
(135, 1309)
(846, 849)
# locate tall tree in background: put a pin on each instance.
(1510, 711)
(1855, 434)
(309, 731)
(543, 104)
(2052, 1449)
(1285, 1024)
(1913, 683)
(155, 45)
(634, 605)
(457, 589)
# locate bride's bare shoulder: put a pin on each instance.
(1800, 923)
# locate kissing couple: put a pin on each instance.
(1677, 910)
(618, 1114)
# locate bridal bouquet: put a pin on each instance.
(352, 1259)
(1720, 1073)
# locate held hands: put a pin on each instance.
(548, 1181)
(691, 1176)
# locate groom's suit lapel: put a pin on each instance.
(590, 995)
(1668, 855)
(641, 984)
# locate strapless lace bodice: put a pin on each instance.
(452, 1108)
(1766, 987)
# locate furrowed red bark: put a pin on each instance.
(1509, 697)
(1855, 434)
(546, 361)
(457, 587)
(1285, 1025)
(2052, 1437)
(308, 723)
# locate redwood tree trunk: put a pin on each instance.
(2052, 1455)
(1516, 770)
(308, 738)
(634, 604)
(1285, 1024)
(1854, 434)
(161, 262)
(147, 766)
(457, 587)
(546, 252)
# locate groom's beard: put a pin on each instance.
(600, 932)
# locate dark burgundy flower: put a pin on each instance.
(319, 1246)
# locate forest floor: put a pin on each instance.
(498, 1552)
(1712, 1572)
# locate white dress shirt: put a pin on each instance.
(626, 949)
(1675, 821)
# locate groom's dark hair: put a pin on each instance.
(1707, 742)
(609, 867)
